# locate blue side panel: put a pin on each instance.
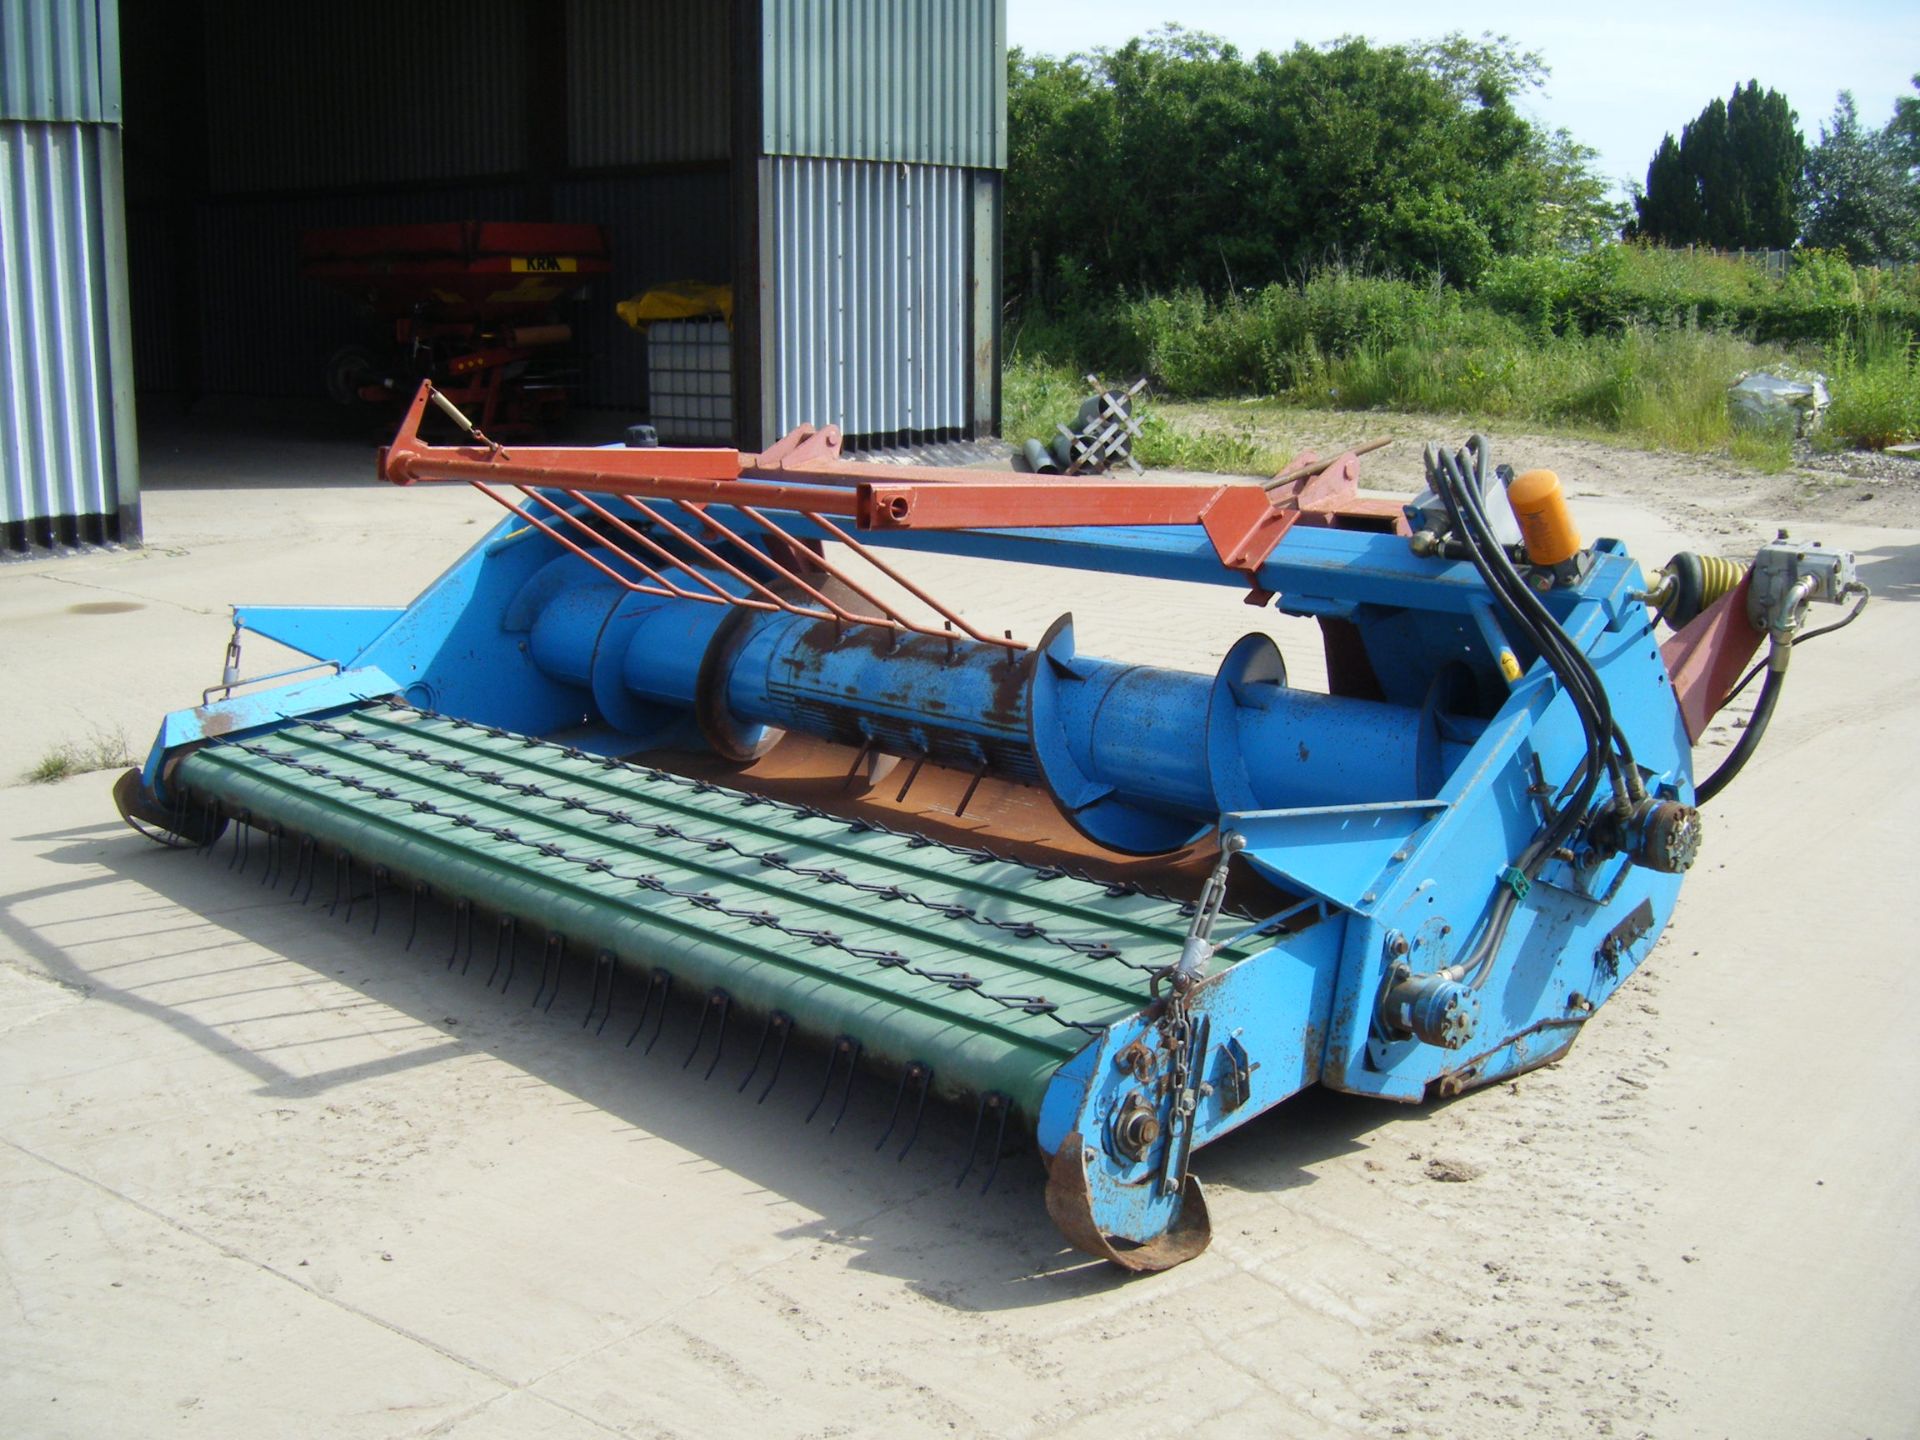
(326, 632)
(1337, 852)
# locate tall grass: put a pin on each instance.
(1636, 343)
(1876, 389)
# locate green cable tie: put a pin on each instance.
(1516, 881)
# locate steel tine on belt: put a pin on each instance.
(776, 1020)
(999, 1103)
(716, 1000)
(559, 971)
(646, 1005)
(467, 963)
(992, 1100)
(240, 841)
(846, 1094)
(665, 979)
(919, 1110)
(546, 960)
(604, 960)
(413, 912)
(380, 874)
(309, 861)
(552, 953)
(348, 917)
(663, 982)
(339, 858)
(613, 974)
(462, 916)
(848, 1046)
(503, 933)
(915, 1072)
(726, 1008)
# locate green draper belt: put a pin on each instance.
(987, 970)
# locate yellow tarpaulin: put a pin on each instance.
(682, 300)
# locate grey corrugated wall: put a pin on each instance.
(923, 81)
(68, 465)
(870, 293)
(647, 84)
(59, 60)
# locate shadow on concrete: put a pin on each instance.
(907, 1219)
(231, 443)
(1891, 571)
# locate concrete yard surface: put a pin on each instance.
(268, 1173)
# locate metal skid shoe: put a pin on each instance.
(1449, 858)
(1119, 1185)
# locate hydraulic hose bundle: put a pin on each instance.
(1460, 479)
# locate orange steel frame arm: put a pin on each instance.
(804, 473)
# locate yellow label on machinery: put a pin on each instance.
(543, 264)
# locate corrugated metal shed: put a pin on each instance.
(647, 84)
(66, 437)
(924, 82)
(67, 453)
(60, 60)
(870, 297)
(360, 92)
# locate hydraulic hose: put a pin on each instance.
(1778, 655)
(1749, 740)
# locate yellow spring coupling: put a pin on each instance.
(1689, 583)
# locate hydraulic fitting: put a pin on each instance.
(1659, 834)
(1435, 1008)
(1788, 574)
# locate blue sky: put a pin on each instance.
(1623, 75)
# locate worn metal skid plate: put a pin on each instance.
(989, 971)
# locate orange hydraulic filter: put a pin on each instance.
(1545, 523)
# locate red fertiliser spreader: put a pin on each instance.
(470, 305)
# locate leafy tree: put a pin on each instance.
(1576, 209)
(1903, 131)
(1860, 196)
(1732, 181)
(1175, 160)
